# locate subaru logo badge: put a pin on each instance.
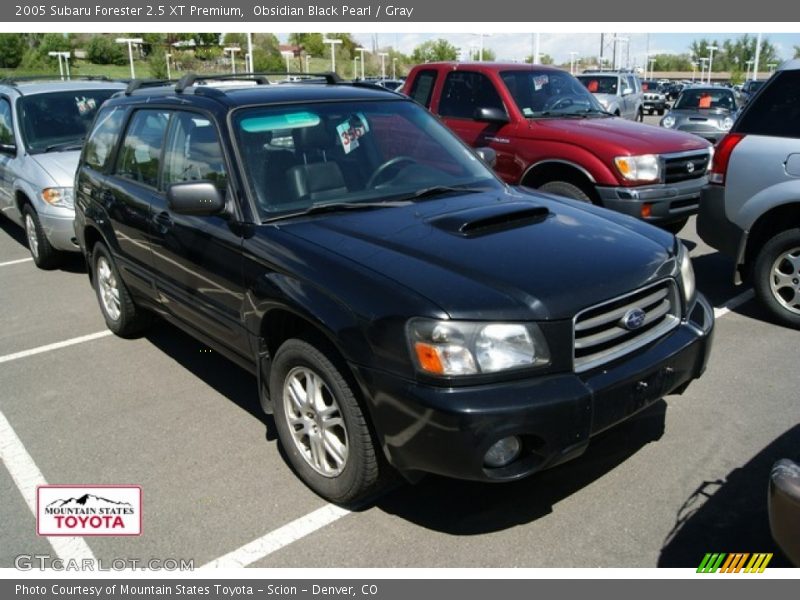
(633, 319)
(690, 167)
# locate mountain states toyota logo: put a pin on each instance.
(88, 510)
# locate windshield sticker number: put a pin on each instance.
(355, 127)
(540, 81)
(85, 105)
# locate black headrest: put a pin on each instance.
(312, 138)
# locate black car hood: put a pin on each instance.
(500, 255)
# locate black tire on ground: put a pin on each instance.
(564, 188)
(349, 469)
(777, 279)
(44, 255)
(640, 116)
(675, 226)
(122, 315)
(660, 111)
(650, 111)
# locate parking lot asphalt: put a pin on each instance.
(684, 477)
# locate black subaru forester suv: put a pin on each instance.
(401, 307)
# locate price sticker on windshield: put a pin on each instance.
(354, 128)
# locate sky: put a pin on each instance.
(516, 46)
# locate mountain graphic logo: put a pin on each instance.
(86, 501)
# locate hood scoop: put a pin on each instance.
(483, 220)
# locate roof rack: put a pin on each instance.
(135, 84)
(190, 79)
(13, 80)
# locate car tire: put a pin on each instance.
(337, 460)
(660, 112)
(640, 116)
(776, 277)
(44, 255)
(564, 188)
(675, 227)
(122, 316)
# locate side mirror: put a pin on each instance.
(199, 198)
(490, 115)
(627, 91)
(8, 149)
(487, 155)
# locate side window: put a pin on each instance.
(631, 83)
(6, 127)
(422, 88)
(776, 111)
(140, 157)
(193, 152)
(103, 137)
(464, 91)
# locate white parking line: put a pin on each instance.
(733, 303)
(15, 262)
(275, 540)
(55, 346)
(27, 476)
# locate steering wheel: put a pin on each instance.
(559, 102)
(381, 170)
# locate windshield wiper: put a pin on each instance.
(71, 145)
(438, 190)
(323, 207)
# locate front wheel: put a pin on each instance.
(120, 312)
(776, 277)
(44, 255)
(660, 112)
(321, 426)
(564, 188)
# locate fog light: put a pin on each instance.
(503, 452)
(647, 210)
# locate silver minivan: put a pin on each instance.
(751, 208)
(620, 93)
(42, 128)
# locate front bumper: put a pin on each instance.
(713, 225)
(668, 202)
(711, 134)
(784, 507)
(447, 431)
(654, 105)
(60, 231)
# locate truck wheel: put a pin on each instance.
(44, 255)
(640, 116)
(564, 188)
(660, 111)
(321, 426)
(776, 277)
(120, 312)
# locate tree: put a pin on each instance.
(544, 59)
(266, 61)
(797, 51)
(102, 50)
(311, 42)
(12, 48)
(434, 50)
(488, 55)
(157, 62)
(733, 55)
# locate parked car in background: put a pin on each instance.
(673, 89)
(501, 330)
(42, 128)
(784, 507)
(550, 133)
(750, 208)
(707, 111)
(653, 98)
(618, 93)
(749, 88)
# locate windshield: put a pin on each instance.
(303, 155)
(721, 99)
(549, 93)
(600, 84)
(59, 120)
(752, 86)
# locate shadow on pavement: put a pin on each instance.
(13, 231)
(470, 508)
(730, 515)
(72, 261)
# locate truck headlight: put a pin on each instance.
(451, 348)
(726, 124)
(638, 168)
(59, 196)
(686, 270)
(668, 122)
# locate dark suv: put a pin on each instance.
(398, 303)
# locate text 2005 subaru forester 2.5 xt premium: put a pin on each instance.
(400, 306)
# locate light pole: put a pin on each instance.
(383, 56)
(130, 42)
(361, 52)
(652, 62)
(749, 64)
(167, 56)
(694, 70)
(333, 43)
(710, 61)
(287, 54)
(355, 68)
(771, 67)
(703, 62)
(308, 57)
(249, 62)
(572, 56)
(60, 65)
(618, 38)
(535, 55)
(233, 50)
(394, 68)
(757, 58)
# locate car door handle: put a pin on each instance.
(164, 222)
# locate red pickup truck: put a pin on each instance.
(550, 133)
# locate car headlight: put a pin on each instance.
(726, 124)
(686, 270)
(668, 122)
(638, 168)
(452, 348)
(59, 196)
